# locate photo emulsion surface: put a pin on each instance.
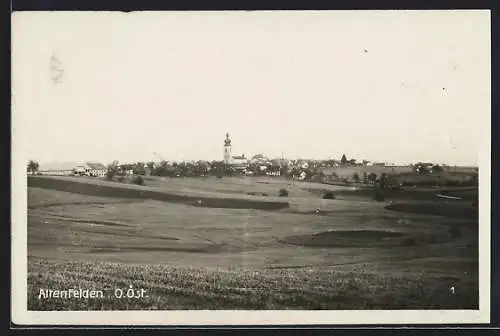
(251, 161)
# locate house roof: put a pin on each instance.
(94, 165)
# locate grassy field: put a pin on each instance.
(168, 287)
(355, 254)
(406, 173)
(350, 170)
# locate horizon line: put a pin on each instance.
(358, 161)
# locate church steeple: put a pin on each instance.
(227, 141)
(227, 150)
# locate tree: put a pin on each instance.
(343, 160)
(112, 170)
(138, 180)
(139, 168)
(372, 178)
(283, 193)
(365, 178)
(33, 167)
(383, 180)
(421, 169)
(437, 169)
(329, 195)
(355, 177)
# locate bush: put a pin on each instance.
(283, 192)
(121, 179)
(329, 195)
(110, 174)
(138, 180)
(265, 194)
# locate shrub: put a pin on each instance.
(283, 192)
(121, 179)
(329, 195)
(265, 194)
(110, 174)
(437, 169)
(138, 180)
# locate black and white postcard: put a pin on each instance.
(247, 168)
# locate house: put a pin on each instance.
(96, 169)
(90, 169)
(56, 172)
(80, 170)
(273, 170)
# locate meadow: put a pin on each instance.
(241, 251)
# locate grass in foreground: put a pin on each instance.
(178, 288)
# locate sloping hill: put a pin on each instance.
(109, 189)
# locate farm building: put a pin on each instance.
(80, 170)
(96, 169)
(273, 170)
(57, 168)
(56, 172)
(72, 168)
(90, 169)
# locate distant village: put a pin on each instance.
(344, 169)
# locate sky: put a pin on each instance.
(395, 86)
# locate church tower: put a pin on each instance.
(227, 150)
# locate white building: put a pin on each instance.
(237, 162)
(57, 168)
(72, 168)
(96, 169)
